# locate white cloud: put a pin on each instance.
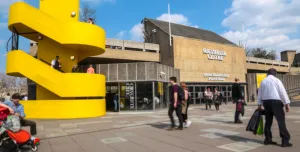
(4, 6)
(99, 1)
(136, 31)
(272, 24)
(121, 34)
(175, 18)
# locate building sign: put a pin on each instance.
(259, 78)
(215, 76)
(130, 95)
(214, 54)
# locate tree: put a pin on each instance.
(12, 84)
(86, 12)
(261, 53)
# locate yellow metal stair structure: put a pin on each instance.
(59, 95)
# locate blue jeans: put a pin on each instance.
(116, 105)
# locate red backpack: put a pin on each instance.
(4, 112)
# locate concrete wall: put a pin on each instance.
(129, 55)
(141, 71)
(162, 38)
(193, 63)
(290, 82)
(265, 64)
(288, 56)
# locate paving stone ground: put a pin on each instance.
(211, 131)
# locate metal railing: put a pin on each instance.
(293, 92)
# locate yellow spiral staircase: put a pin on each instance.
(56, 28)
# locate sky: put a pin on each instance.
(271, 24)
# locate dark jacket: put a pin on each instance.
(237, 91)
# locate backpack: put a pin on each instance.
(13, 123)
(181, 94)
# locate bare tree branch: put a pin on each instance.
(86, 13)
(9, 84)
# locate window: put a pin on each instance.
(144, 95)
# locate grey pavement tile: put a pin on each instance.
(67, 126)
(172, 149)
(175, 141)
(220, 132)
(113, 140)
(129, 147)
(241, 146)
(60, 141)
(147, 142)
(67, 148)
(124, 134)
(72, 131)
(51, 135)
(91, 144)
(45, 146)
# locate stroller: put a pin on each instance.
(13, 141)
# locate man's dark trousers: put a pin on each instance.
(237, 112)
(275, 108)
(178, 111)
(29, 123)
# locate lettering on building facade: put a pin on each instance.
(214, 54)
(130, 95)
(215, 76)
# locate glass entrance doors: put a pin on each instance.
(197, 92)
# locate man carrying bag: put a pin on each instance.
(273, 98)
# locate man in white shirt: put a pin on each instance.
(273, 97)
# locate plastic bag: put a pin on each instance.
(13, 123)
(260, 129)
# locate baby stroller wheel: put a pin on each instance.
(34, 148)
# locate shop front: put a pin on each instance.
(137, 86)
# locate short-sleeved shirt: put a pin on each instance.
(17, 108)
(173, 89)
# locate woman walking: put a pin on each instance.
(216, 99)
(185, 105)
(209, 97)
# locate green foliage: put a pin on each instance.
(261, 53)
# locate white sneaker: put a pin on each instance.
(188, 124)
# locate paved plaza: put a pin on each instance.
(211, 131)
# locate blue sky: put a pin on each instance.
(264, 26)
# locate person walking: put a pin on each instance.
(116, 100)
(216, 99)
(175, 104)
(185, 106)
(272, 97)
(237, 96)
(209, 97)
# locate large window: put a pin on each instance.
(161, 95)
(127, 96)
(144, 95)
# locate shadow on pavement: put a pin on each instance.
(239, 139)
(159, 125)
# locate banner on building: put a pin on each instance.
(259, 78)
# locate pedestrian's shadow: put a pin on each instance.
(226, 122)
(162, 126)
(236, 138)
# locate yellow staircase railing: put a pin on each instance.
(56, 28)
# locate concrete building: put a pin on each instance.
(138, 72)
